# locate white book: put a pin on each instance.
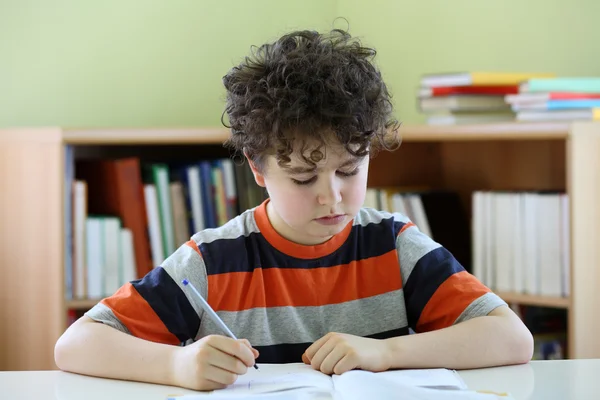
(548, 250)
(518, 283)
(503, 242)
(156, 247)
(94, 257)
(230, 189)
(79, 241)
(398, 204)
(489, 236)
(112, 256)
(371, 199)
(383, 201)
(530, 244)
(195, 193)
(418, 210)
(127, 257)
(565, 245)
(478, 234)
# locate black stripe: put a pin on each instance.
(169, 302)
(246, 253)
(292, 352)
(428, 274)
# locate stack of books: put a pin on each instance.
(469, 97)
(559, 99)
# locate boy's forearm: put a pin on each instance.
(92, 348)
(497, 339)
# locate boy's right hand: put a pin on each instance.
(212, 362)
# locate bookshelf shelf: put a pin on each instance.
(81, 304)
(463, 158)
(146, 136)
(529, 300)
(504, 131)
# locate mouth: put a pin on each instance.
(331, 219)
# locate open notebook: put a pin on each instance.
(301, 382)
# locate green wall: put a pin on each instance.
(159, 63)
(416, 37)
(131, 63)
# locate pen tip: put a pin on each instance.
(185, 282)
(256, 367)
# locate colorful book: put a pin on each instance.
(480, 78)
(547, 96)
(558, 105)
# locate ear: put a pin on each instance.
(258, 176)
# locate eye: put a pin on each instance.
(348, 174)
(306, 182)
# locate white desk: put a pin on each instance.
(539, 380)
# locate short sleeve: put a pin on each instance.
(438, 291)
(156, 308)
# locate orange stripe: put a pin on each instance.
(449, 301)
(405, 227)
(278, 287)
(194, 246)
(294, 249)
(136, 314)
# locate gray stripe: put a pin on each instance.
(242, 225)
(101, 313)
(411, 246)
(480, 307)
(186, 263)
(368, 216)
(277, 325)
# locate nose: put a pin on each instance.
(329, 192)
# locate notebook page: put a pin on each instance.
(374, 386)
(433, 378)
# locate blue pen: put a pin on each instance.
(211, 313)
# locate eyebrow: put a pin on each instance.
(305, 170)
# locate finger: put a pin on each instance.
(322, 353)
(347, 363)
(234, 348)
(313, 348)
(220, 376)
(226, 362)
(331, 360)
(252, 349)
(305, 359)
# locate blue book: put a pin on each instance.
(570, 104)
(207, 187)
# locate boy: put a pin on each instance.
(308, 275)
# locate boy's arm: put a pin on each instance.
(500, 338)
(92, 348)
(136, 334)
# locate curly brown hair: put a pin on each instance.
(308, 86)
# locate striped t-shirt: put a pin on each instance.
(376, 278)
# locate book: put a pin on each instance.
(580, 84)
(469, 118)
(479, 78)
(499, 90)
(558, 105)
(115, 188)
(524, 98)
(299, 381)
(463, 103)
(588, 114)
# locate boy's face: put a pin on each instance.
(309, 205)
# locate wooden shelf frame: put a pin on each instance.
(474, 157)
(532, 300)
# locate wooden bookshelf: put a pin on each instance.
(507, 156)
(81, 304)
(531, 300)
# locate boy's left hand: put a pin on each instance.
(336, 353)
